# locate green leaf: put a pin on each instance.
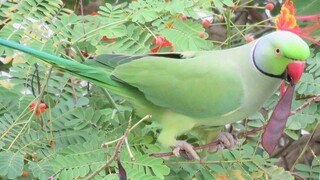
(228, 2)
(114, 31)
(185, 35)
(303, 167)
(306, 116)
(292, 134)
(294, 125)
(145, 165)
(218, 4)
(11, 164)
(248, 150)
(228, 155)
(275, 172)
(145, 11)
(42, 170)
(137, 41)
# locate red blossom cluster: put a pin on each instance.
(161, 42)
(42, 108)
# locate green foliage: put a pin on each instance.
(309, 172)
(144, 167)
(275, 172)
(41, 169)
(65, 141)
(310, 82)
(137, 40)
(186, 35)
(11, 164)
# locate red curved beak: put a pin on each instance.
(295, 70)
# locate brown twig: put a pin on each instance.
(113, 157)
(73, 89)
(305, 105)
(252, 131)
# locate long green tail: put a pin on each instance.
(97, 76)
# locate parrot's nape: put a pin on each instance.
(186, 90)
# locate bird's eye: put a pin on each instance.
(277, 51)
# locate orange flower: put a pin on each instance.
(287, 21)
(42, 108)
(169, 24)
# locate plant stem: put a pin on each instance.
(305, 105)
(92, 32)
(110, 99)
(228, 19)
(248, 27)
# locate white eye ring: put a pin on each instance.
(277, 51)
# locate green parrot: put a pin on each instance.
(190, 90)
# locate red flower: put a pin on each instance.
(24, 175)
(42, 108)
(84, 53)
(155, 50)
(160, 42)
(94, 13)
(105, 38)
(270, 6)
(287, 21)
(250, 39)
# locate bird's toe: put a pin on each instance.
(226, 140)
(190, 153)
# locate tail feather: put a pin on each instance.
(98, 76)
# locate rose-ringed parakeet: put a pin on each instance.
(193, 89)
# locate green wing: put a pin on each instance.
(193, 86)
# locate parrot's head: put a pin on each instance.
(281, 54)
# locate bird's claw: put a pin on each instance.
(226, 140)
(188, 148)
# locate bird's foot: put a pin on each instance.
(191, 154)
(226, 140)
